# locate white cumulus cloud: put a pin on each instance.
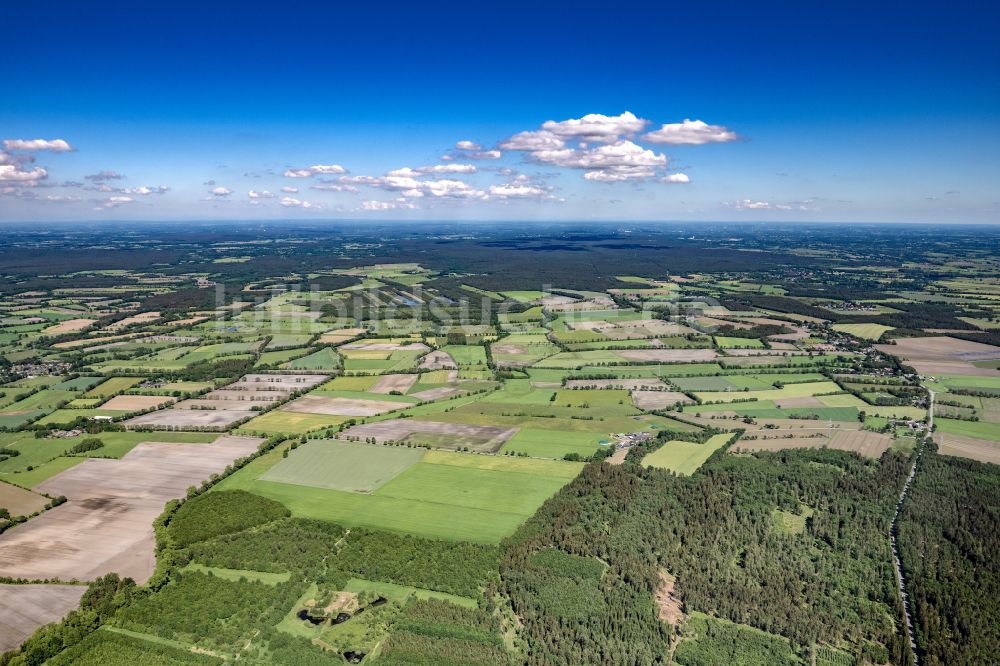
(221, 191)
(596, 127)
(677, 178)
(11, 173)
(291, 202)
(308, 172)
(54, 145)
(468, 145)
(691, 132)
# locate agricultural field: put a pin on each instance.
(341, 461)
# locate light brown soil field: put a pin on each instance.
(247, 393)
(508, 350)
(669, 605)
(186, 418)
(592, 325)
(799, 334)
(277, 382)
(596, 303)
(862, 442)
(646, 329)
(141, 318)
(943, 355)
(658, 399)
(317, 404)
(967, 447)
(437, 360)
(390, 383)
(340, 335)
(632, 384)
(20, 502)
(653, 355)
(223, 405)
(136, 403)
(399, 429)
(68, 326)
(233, 403)
(25, 608)
(794, 351)
(107, 524)
(386, 346)
(712, 323)
(436, 393)
(553, 300)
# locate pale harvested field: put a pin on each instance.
(943, 355)
(653, 355)
(317, 404)
(68, 326)
(631, 384)
(862, 442)
(20, 502)
(658, 399)
(25, 608)
(136, 403)
(390, 383)
(437, 360)
(967, 447)
(436, 393)
(107, 524)
(590, 325)
(187, 418)
(398, 429)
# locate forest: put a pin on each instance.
(950, 549)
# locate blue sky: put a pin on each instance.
(572, 111)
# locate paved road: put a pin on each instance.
(893, 530)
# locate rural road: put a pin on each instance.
(893, 531)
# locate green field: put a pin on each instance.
(451, 496)
(864, 331)
(685, 457)
(738, 343)
(350, 466)
(279, 421)
(976, 429)
(112, 386)
(553, 444)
